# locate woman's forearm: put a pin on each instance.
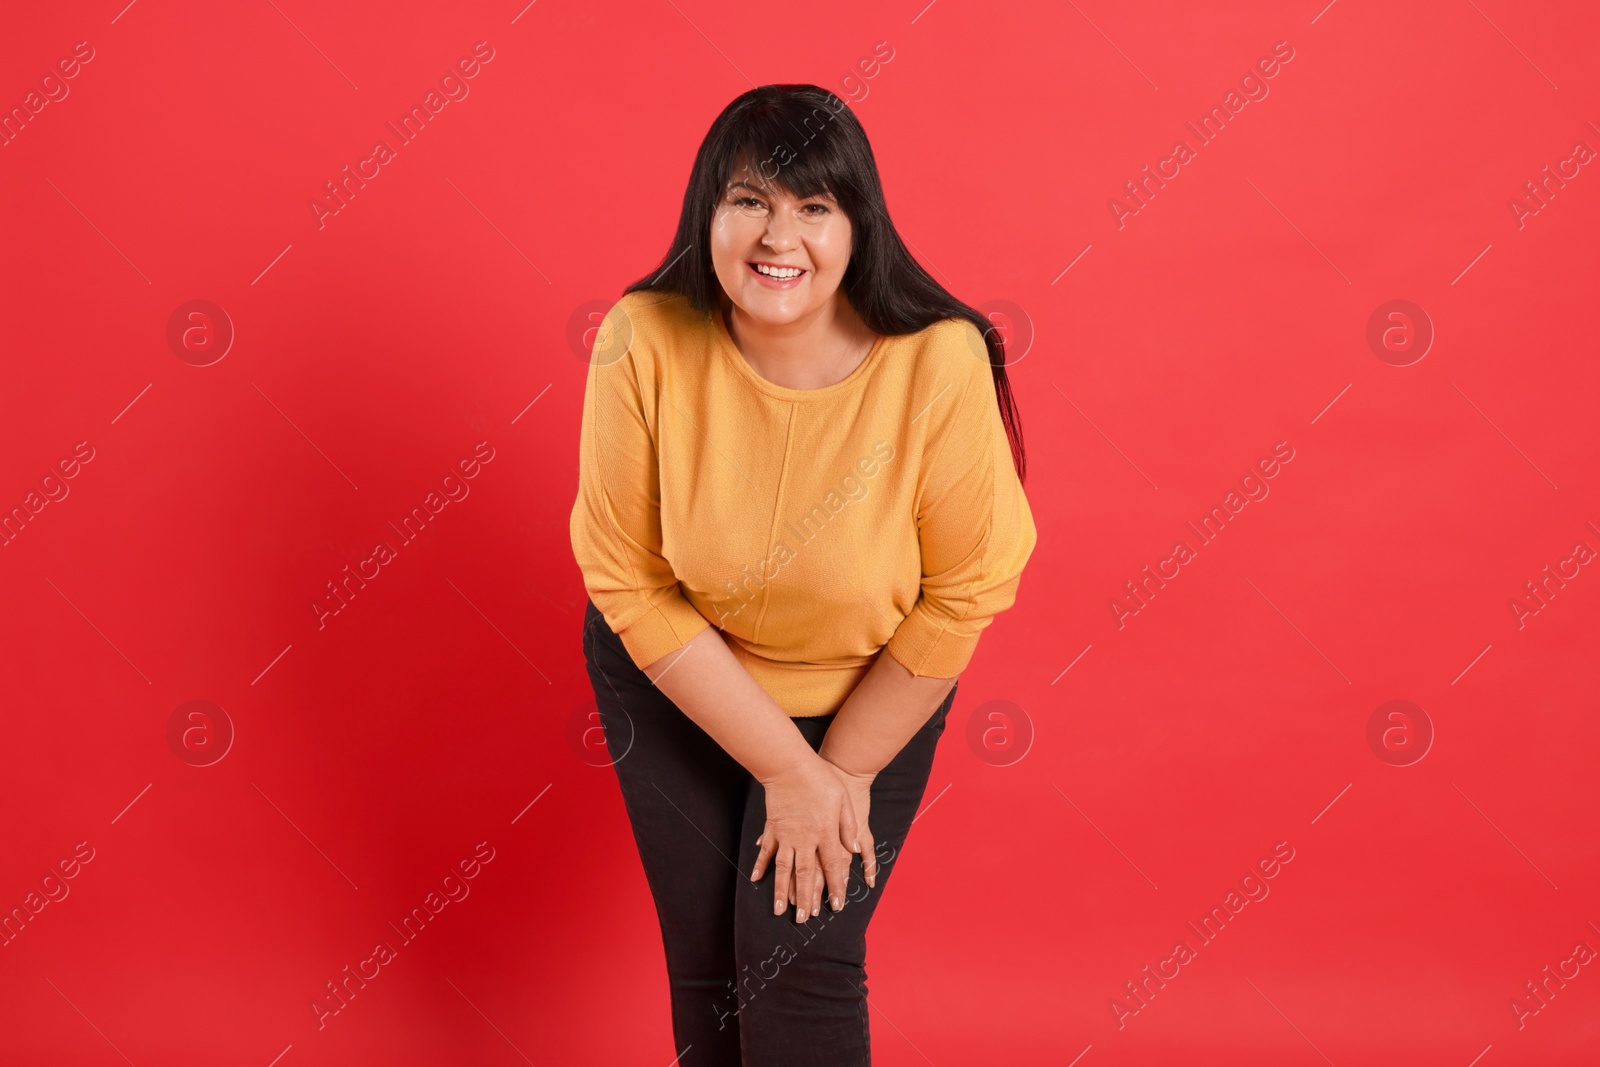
(886, 708)
(713, 688)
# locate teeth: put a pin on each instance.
(779, 272)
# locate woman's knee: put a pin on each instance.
(775, 950)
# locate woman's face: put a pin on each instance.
(757, 222)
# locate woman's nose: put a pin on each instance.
(780, 232)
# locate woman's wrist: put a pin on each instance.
(845, 765)
(801, 760)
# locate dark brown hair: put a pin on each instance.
(810, 143)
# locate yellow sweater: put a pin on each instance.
(814, 527)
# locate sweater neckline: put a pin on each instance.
(730, 350)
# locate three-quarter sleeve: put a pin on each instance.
(616, 519)
(973, 524)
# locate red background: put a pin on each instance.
(435, 311)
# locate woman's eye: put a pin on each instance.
(822, 209)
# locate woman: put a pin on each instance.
(800, 501)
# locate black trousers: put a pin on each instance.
(748, 987)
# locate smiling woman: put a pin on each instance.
(780, 257)
(787, 337)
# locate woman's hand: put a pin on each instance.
(859, 788)
(809, 834)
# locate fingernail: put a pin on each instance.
(801, 915)
(855, 846)
(837, 904)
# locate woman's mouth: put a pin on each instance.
(774, 276)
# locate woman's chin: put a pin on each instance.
(774, 308)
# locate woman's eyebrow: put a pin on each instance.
(766, 190)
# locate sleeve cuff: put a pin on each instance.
(666, 626)
(928, 648)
